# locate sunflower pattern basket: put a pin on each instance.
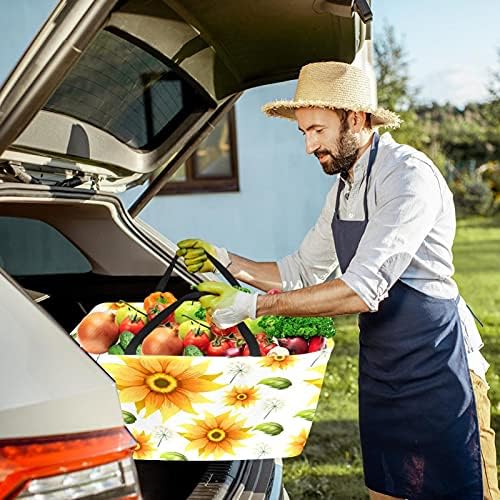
(217, 408)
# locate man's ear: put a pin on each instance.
(357, 120)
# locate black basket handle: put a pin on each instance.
(223, 270)
(162, 284)
(249, 337)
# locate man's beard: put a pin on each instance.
(347, 153)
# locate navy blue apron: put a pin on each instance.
(417, 415)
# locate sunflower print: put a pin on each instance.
(319, 373)
(215, 436)
(277, 361)
(162, 383)
(296, 444)
(317, 383)
(241, 397)
(145, 446)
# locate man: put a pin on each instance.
(388, 225)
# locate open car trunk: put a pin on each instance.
(125, 268)
(113, 94)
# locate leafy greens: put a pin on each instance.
(286, 326)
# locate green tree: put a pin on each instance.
(396, 93)
(494, 84)
(457, 140)
(391, 68)
(491, 111)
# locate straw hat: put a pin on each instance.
(333, 85)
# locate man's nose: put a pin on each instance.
(311, 144)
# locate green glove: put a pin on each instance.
(195, 257)
(221, 294)
(227, 305)
(194, 252)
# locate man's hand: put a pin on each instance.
(227, 305)
(194, 251)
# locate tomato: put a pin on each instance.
(218, 332)
(268, 347)
(264, 348)
(223, 332)
(157, 309)
(246, 351)
(261, 338)
(233, 330)
(158, 298)
(316, 343)
(237, 335)
(132, 325)
(219, 347)
(199, 339)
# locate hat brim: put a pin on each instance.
(381, 117)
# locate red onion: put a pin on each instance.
(233, 351)
(296, 345)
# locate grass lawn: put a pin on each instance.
(330, 466)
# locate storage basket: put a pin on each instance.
(216, 408)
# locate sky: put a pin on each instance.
(451, 44)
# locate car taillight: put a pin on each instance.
(114, 480)
(84, 465)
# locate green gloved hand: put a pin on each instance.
(227, 305)
(194, 252)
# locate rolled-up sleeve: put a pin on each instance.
(409, 201)
(315, 260)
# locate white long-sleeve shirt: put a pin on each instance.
(409, 235)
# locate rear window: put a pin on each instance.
(128, 91)
(31, 247)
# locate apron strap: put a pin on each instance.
(371, 161)
(474, 315)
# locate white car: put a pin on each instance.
(109, 95)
